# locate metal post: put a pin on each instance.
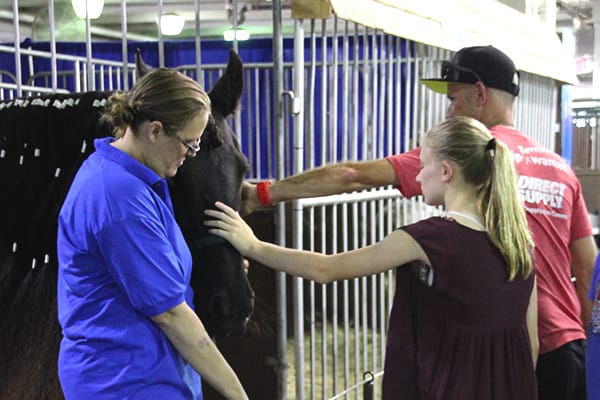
(280, 214)
(297, 106)
(53, 72)
(161, 42)
(124, 52)
(18, 72)
(88, 50)
(199, 74)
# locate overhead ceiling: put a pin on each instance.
(215, 16)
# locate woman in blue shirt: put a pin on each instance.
(124, 297)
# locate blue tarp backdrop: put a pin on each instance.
(257, 137)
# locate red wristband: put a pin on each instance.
(262, 193)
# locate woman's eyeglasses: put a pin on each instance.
(191, 149)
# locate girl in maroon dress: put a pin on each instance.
(464, 321)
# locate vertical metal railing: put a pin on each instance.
(365, 107)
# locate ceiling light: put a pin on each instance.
(576, 23)
(94, 8)
(239, 34)
(171, 24)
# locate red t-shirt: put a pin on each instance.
(557, 215)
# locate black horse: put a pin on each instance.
(43, 141)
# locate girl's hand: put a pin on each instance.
(228, 224)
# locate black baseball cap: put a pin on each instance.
(479, 63)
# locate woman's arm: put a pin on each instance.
(187, 334)
(396, 249)
(532, 323)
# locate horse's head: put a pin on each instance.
(222, 294)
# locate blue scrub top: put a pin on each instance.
(122, 259)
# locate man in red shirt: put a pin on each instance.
(482, 82)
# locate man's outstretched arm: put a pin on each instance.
(327, 180)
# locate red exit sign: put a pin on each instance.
(584, 64)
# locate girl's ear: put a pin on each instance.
(447, 171)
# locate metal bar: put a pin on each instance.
(64, 57)
(18, 72)
(345, 228)
(310, 110)
(298, 157)
(89, 83)
(257, 127)
(124, 52)
(324, 375)
(355, 97)
(373, 281)
(271, 139)
(333, 114)
(334, 306)
(366, 95)
(53, 71)
(356, 387)
(356, 285)
(161, 41)
(324, 96)
(280, 215)
(333, 157)
(354, 197)
(313, 352)
(345, 88)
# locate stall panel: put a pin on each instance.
(362, 100)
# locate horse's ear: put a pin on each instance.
(227, 92)
(141, 68)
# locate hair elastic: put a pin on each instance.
(262, 193)
(491, 144)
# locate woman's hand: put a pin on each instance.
(228, 224)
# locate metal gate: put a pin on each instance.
(355, 95)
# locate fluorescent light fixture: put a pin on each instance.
(94, 8)
(241, 34)
(171, 24)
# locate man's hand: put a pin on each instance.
(249, 199)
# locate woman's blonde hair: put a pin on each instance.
(164, 95)
(487, 164)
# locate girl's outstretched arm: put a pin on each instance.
(396, 249)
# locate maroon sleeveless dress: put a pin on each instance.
(465, 336)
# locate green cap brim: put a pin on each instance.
(437, 85)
